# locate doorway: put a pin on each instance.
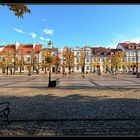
(53, 69)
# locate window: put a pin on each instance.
(128, 52)
(28, 59)
(87, 53)
(133, 59)
(77, 60)
(87, 59)
(77, 53)
(77, 67)
(87, 67)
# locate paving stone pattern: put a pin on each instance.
(44, 111)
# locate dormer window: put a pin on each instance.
(131, 46)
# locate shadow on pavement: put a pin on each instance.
(48, 112)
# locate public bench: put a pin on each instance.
(4, 110)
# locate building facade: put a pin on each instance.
(23, 58)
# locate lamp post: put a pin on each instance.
(49, 60)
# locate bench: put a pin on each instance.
(4, 110)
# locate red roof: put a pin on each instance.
(100, 51)
(25, 48)
(128, 45)
(115, 50)
(10, 48)
(38, 48)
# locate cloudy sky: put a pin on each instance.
(72, 25)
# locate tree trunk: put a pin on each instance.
(49, 75)
(7, 70)
(69, 69)
(63, 70)
(45, 70)
(38, 69)
(56, 69)
(83, 69)
(14, 68)
(20, 70)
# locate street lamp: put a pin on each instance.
(49, 60)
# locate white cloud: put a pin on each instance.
(33, 35)
(41, 38)
(43, 19)
(48, 31)
(19, 31)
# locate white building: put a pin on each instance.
(130, 49)
(88, 59)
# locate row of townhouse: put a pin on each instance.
(31, 52)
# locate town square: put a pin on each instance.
(62, 82)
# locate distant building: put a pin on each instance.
(95, 58)
(88, 59)
(100, 54)
(129, 48)
(29, 52)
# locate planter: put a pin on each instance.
(52, 83)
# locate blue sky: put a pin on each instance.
(72, 25)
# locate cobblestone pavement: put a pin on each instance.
(61, 112)
(26, 81)
(72, 128)
(71, 81)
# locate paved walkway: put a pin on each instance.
(71, 81)
(88, 110)
(72, 128)
(102, 81)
